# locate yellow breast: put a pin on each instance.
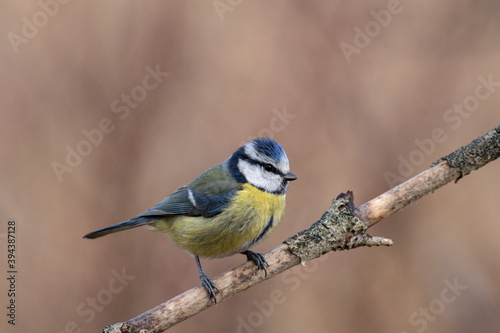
(251, 216)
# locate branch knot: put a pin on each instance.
(338, 229)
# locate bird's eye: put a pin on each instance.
(269, 167)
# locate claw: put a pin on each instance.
(206, 282)
(209, 286)
(258, 259)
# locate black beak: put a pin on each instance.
(290, 176)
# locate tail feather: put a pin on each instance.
(132, 223)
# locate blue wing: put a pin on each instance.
(190, 202)
(205, 196)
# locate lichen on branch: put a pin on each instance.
(338, 229)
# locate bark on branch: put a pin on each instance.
(341, 227)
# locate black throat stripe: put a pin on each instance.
(264, 231)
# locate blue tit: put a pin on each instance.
(228, 209)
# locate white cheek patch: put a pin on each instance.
(257, 177)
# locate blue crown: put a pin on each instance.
(270, 148)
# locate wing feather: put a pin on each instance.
(202, 197)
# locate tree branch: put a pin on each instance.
(451, 167)
(341, 227)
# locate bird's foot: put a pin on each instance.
(209, 285)
(258, 259)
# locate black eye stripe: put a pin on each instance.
(271, 168)
(266, 166)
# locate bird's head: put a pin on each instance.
(262, 163)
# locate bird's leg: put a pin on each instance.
(258, 259)
(206, 281)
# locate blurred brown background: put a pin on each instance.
(239, 69)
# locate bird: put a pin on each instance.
(226, 210)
